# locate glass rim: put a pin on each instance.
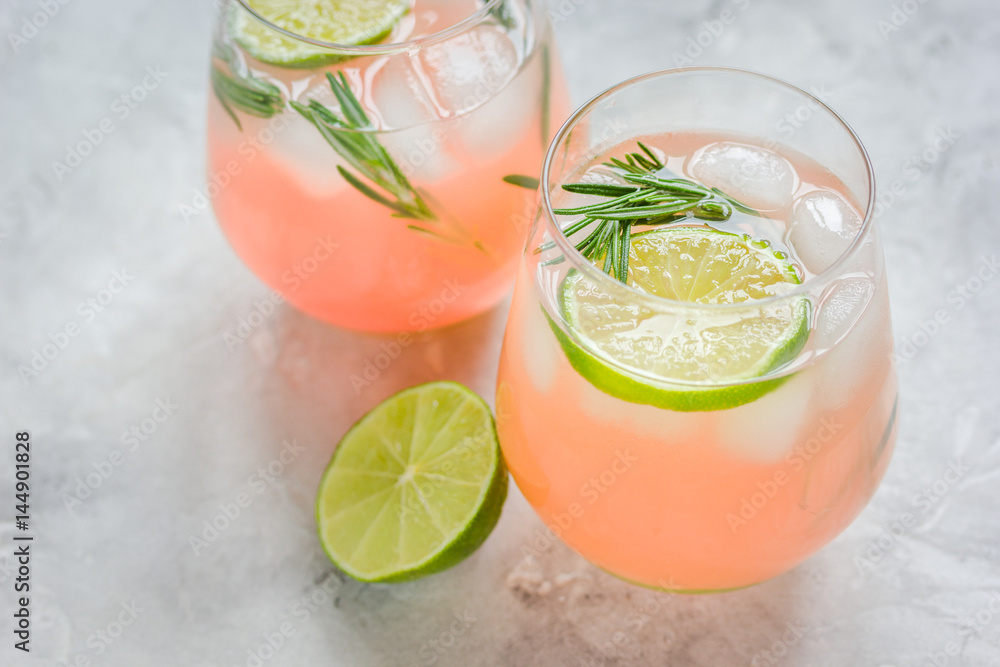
(379, 49)
(581, 263)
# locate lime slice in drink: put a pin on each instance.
(344, 22)
(660, 356)
(414, 487)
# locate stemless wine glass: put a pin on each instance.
(619, 412)
(385, 186)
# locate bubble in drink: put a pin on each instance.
(755, 176)
(822, 227)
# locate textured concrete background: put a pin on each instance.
(918, 81)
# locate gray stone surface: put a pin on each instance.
(932, 588)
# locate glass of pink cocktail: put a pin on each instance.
(697, 390)
(374, 161)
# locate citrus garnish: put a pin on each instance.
(682, 358)
(414, 487)
(343, 22)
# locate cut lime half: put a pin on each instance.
(344, 22)
(414, 487)
(682, 358)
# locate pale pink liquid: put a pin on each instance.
(698, 501)
(282, 214)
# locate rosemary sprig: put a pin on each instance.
(247, 93)
(545, 119)
(349, 134)
(638, 163)
(502, 16)
(648, 199)
(522, 181)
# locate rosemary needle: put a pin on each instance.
(350, 135)
(245, 92)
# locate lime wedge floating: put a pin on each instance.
(642, 355)
(344, 22)
(414, 487)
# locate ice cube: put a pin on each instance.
(842, 305)
(468, 69)
(755, 176)
(637, 420)
(538, 344)
(499, 125)
(766, 430)
(467, 80)
(602, 174)
(299, 148)
(822, 227)
(398, 94)
(860, 358)
(422, 153)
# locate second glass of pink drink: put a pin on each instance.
(696, 390)
(384, 184)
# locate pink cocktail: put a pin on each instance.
(458, 98)
(666, 472)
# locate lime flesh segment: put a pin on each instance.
(660, 356)
(343, 22)
(414, 487)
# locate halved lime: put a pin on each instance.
(661, 356)
(345, 22)
(414, 487)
